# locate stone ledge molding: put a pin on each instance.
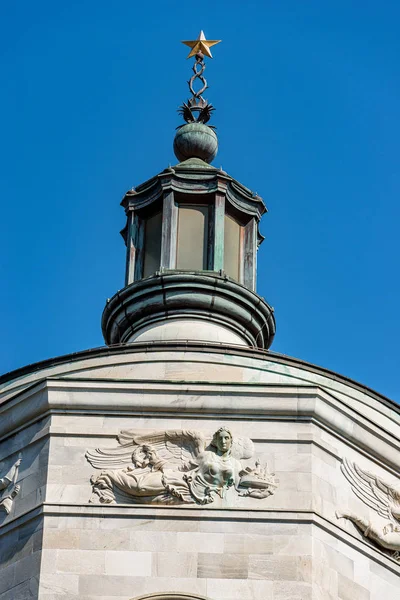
(306, 403)
(85, 364)
(192, 352)
(185, 512)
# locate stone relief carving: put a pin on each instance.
(9, 489)
(177, 466)
(384, 499)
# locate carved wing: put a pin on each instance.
(110, 458)
(242, 448)
(372, 490)
(175, 447)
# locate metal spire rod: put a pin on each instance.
(197, 104)
(198, 70)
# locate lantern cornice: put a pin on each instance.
(195, 177)
(188, 305)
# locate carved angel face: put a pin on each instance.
(223, 440)
(143, 456)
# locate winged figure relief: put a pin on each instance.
(176, 466)
(383, 499)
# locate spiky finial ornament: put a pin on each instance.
(196, 104)
(195, 139)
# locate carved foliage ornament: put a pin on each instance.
(9, 488)
(176, 466)
(383, 499)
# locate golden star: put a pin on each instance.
(201, 45)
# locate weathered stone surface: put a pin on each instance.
(54, 544)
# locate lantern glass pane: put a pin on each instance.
(192, 237)
(152, 245)
(232, 235)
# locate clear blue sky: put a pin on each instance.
(307, 97)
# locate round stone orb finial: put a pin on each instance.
(195, 140)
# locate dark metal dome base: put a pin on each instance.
(208, 296)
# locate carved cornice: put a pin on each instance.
(24, 377)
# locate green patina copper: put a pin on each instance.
(196, 140)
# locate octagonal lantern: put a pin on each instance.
(192, 217)
(191, 237)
